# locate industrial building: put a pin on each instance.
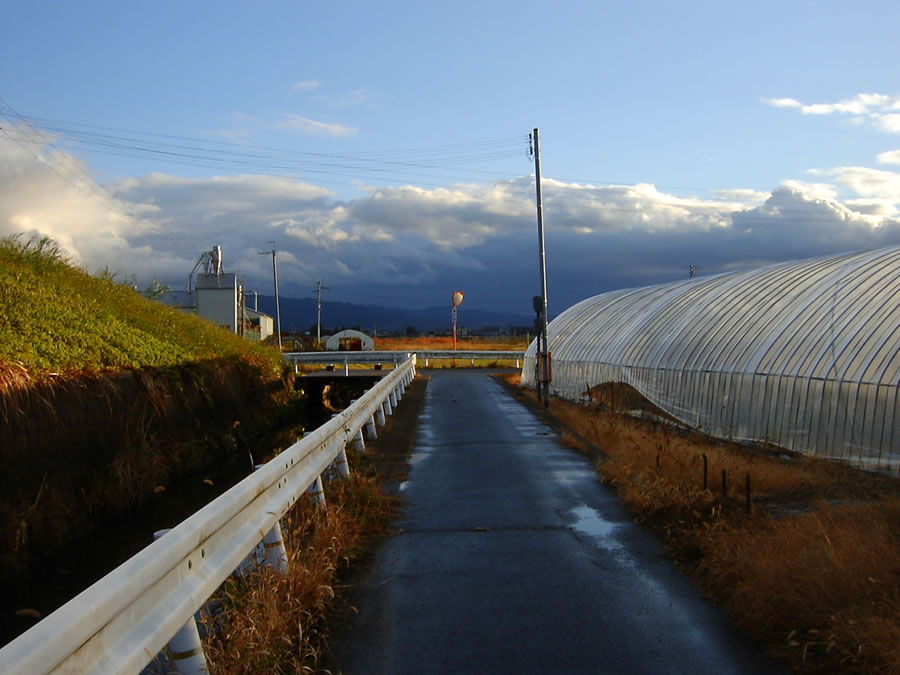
(219, 297)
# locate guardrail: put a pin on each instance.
(119, 624)
(394, 357)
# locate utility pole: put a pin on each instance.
(277, 306)
(544, 356)
(319, 289)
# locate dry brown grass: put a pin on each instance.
(812, 572)
(275, 623)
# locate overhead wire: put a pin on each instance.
(43, 150)
(223, 155)
(423, 166)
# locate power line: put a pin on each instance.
(71, 173)
(204, 153)
(421, 166)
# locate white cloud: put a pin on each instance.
(890, 157)
(405, 244)
(743, 196)
(874, 109)
(305, 85)
(783, 102)
(299, 124)
(305, 125)
(888, 123)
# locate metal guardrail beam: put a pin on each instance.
(119, 624)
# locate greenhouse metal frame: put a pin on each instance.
(804, 355)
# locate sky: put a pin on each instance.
(383, 147)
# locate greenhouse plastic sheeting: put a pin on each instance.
(804, 355)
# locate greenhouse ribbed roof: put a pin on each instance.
(803, 354)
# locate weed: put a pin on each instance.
(276, 623)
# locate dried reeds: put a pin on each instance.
(273, 623)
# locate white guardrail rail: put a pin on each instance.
(120, 624)
(424, 356)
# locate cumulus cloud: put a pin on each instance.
(878, 110)
(407, 245)
(52, 194)
(890, 157)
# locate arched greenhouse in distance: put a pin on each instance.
(804, 355)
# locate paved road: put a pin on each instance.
(513, 558)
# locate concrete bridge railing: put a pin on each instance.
(123, 621)
(395, 357)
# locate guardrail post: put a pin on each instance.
(185, 648)
(346, 367)
(317, 492)
(340, 463)
(379, 416)
(426, 361)
(359, 443)
(371, 432)
(274, 553)
(386, 407)
(343, 466)
(398, 392)
(392, 398)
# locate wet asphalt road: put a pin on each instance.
(512, 557)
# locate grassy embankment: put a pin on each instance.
(76, 352)
(812, 571)
(104, 396)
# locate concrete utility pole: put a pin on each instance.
(277, 306)
(544, 354)
(319, 289)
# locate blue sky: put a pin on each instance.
(390, 140)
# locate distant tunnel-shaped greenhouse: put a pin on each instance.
(804, 355)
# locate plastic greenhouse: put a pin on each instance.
(804, 355)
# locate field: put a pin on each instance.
(806, 562)
(513, 344)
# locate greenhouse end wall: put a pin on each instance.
(803, 355)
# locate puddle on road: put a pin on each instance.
(591, 523)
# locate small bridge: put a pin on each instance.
(425, 357)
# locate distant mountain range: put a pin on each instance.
(299, 315)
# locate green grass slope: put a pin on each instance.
(55, 317)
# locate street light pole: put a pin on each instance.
(544, 353)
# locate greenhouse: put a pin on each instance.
(804, 355)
